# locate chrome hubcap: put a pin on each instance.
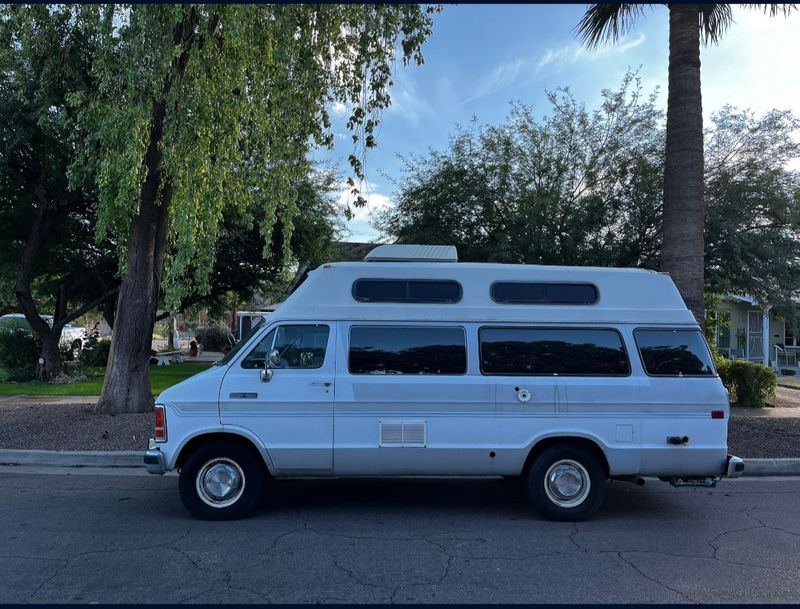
(567, 483)
(220, 482)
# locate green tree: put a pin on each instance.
(753, 205)
(579, 186)
(585, 187)
(200, 108)
(49, 258)
(684, 209)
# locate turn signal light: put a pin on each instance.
(160, 433)
(717, 414)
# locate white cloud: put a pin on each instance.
(339, 110)
(406, 101)
(755, 65)
(359, 226)
(525, 70)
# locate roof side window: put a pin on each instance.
(528, 292)
(676, 352)
(552, 351)
(407, 290)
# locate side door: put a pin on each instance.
(292, 413)
(409, 402)
(526, 398)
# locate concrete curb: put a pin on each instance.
(772, 467)
(73, 458)
(134, 458)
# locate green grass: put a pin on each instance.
(161, 377)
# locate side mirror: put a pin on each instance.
(274, 359)
(265, 374)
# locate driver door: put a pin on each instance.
(292, 413)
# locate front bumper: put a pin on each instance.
(154, 459)
(735, 467)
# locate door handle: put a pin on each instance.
(678, 440)
(321, 384)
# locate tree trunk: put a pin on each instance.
(126, 387)
(53, 364)
(684, 208)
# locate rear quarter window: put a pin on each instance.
(674, 352)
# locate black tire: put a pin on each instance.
(215, 459)
(573, 460)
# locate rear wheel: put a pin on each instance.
(567, 483)
(221, 480)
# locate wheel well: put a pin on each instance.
(590, 445)
(198, 441)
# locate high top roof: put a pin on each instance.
(625, 295)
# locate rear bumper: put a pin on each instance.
(154, 459)
(735, 467)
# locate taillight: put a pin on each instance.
(160, 434)
(717, 414)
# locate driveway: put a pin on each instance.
(127, 539)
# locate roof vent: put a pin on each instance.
(413, 253)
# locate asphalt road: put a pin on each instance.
(79, 538)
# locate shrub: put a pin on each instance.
(212, 338)
(19, 354)
(95, 352)
(749, 383)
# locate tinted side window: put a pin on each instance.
(515, 292)
(402, 290)
(674, 352)
(407, 350)
(299, 347)
(550, 351)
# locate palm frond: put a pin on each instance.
(607, 22)
(773, 10)
(714, 21)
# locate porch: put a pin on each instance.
(747, 330)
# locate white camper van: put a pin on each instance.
(411, 363)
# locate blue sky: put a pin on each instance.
(481, 57)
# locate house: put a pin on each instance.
(757, 333)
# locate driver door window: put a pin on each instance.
(299, 346)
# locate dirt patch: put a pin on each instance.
(71, 427)
(764, 437)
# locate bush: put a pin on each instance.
(212, 338)
(95, 352)
(749, 383)
(19, 355)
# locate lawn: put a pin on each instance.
(161, 377)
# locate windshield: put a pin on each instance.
(238, 346)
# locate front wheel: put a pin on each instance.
(567, 483)
(221, 480)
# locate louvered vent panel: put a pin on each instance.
(414, 433)
(391, 433)
(402, 433)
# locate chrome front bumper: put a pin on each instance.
(735, 467)
(154, 459)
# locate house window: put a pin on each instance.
(790, 334)
(723, 328)
(526, 292)
(552, 351)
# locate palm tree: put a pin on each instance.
(684, 208)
